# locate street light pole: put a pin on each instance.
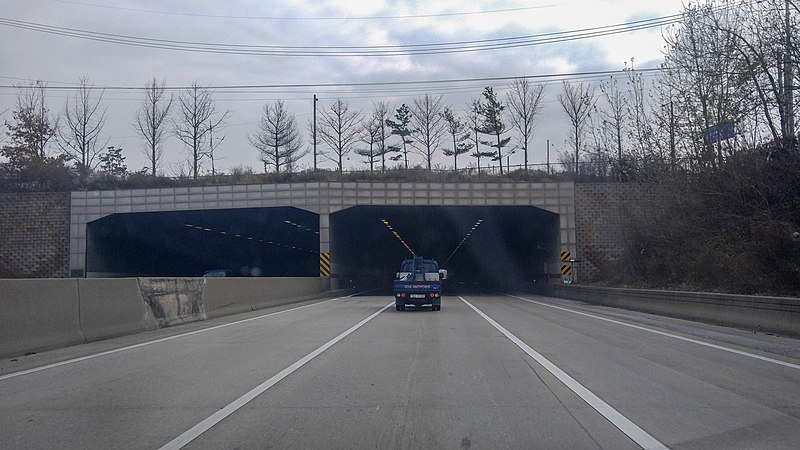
(314, 138)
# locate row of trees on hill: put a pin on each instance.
(726, 86)
(426, 127)
(40, 142)
(717, 131)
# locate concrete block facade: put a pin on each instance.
(600, 210)
(34, 235)
(321, 198)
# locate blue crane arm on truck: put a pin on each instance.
(418, 283)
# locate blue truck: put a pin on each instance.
(418, 283)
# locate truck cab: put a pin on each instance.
(418, 283)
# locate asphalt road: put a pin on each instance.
(485, 372)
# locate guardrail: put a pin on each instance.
(42, 314)
(780, 315)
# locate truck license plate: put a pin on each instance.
(417, 295)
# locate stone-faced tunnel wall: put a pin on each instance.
(600, 210)
(34, 235)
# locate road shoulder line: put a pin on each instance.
(664, 333)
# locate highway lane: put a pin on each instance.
(416, 379)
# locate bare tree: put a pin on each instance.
(79, 138)
(430, 125)
(34, 126)
(278, 138)
(369, 135)
(380, 113)
(151, 121)
(196, 111)
(24, 159)
(707, 82)
(577, 102)
(458, 131)
(613, 116)
(339, 130)
(524, 102)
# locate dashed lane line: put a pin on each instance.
(638, 435)
(663, 333)
(208, 423)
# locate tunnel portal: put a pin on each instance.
(268, 242)
(487, 246)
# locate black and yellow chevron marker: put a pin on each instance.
(566, 269)
(325, 264)
(565, 255)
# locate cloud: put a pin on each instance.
(307, 23)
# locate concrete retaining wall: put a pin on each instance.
(768, 314)
(37, 315)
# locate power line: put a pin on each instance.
(313, 18)
(341, 51)
(385, 84)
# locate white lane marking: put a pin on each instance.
(663, 333)
(638, 435)
(169, 338)
(220, 415)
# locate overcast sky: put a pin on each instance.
(312, 25)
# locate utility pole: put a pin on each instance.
(315, 132)
(548, 156)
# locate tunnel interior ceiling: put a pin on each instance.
(247, 242)
(509, 244)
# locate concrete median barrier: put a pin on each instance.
(768, 314)
(113, 307)
(225, 296)
(37, 315)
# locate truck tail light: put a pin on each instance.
(403, 294)
(433, 295)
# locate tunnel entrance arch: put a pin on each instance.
(487, 246)
(321, 198)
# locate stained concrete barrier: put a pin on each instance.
(38, 314)
(779, 315)
(225, 296)
(113, 307)
(173, 301)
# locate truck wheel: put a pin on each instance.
(400, 307)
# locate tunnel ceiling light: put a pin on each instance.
(463, 240)
(300, 227)
(397, 235)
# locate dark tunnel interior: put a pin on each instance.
(488, 247)
(268, 242)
